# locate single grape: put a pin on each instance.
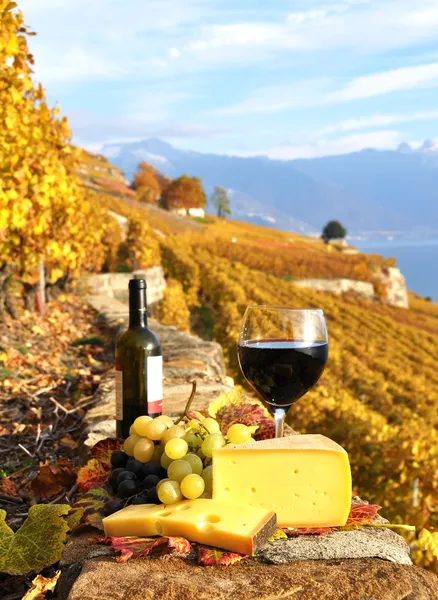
(155, 429)
(127, 489)
(150, 481)
(129, 444)
(118, 459)
(150, 469)
(166, 419)
(238, 434)
(176, 431)
(143, 450)
(111, 507)
(179, 469)
(152, 496)
(126, 475)
(139, 425)
(176, 448)
(195, 462)
(158, 453)
(162, 481)
(113, 477)
(169, 492)
(192, 486)
(135, 466)
(211, 425)
(165, 461)
(207, 476)
(212, 442)
(193, 440)
(194, 424)
(132, 430)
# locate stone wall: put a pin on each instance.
(363, 289)
(391, 277)
(115, 285)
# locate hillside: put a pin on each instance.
(368, 191)
(379, 394)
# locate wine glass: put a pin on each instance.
(282, 354)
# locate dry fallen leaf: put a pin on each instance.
(51, 480)
(40, 586)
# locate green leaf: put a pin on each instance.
(37, 544)
(89, 509)
(279, 534)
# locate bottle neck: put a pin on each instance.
(138, 314)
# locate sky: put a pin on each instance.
(281, 78)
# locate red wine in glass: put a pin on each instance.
(281, 371)
(284, 367)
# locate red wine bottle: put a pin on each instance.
(139, 365)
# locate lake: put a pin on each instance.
(417, 260)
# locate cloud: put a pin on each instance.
(343, 145)
(318, 92)
(377, 121)
(366, 27)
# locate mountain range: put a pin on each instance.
(368, 191)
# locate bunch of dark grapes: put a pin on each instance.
(133, 482)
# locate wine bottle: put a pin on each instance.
(139, 365)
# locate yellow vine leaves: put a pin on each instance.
(37, 544)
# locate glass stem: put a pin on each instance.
(279, 414)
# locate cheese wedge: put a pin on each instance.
(305, 479)
(242, 529)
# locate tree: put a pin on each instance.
(184, 192)
(333, 231)
(146, 184)
(44, 212)
(220, 201)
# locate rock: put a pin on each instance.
(395, 284)
(364, 543)
(175, 579)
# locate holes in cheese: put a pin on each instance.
(286, 475)
(210, 522)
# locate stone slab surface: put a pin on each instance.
(174, 579)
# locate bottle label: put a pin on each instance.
(119, 390)
(155, 384)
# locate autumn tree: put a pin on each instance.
(142, 247)
(184, 192)
(333, 231)
(146, 184)
(221, 201)
(44, 214)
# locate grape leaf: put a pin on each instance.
(89, 509)
(40, 586)
(37, 544)
(213, 556)
(136, 547)
(250, 414)
(292, 531)
(94, 474)
(52, 479)
(279, 534)
(361, 514)
(102, 450)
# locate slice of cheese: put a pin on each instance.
(305, 479)
(242, 529)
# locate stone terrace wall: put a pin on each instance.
(115, 285)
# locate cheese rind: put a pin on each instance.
(305, 479)
(242, 529)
